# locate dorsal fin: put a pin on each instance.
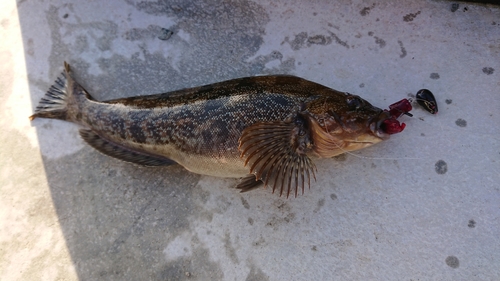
(275, 152)
(121, 152)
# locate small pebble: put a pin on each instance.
(165, 34)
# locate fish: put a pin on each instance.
(265, 130)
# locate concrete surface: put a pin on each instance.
(425, 205)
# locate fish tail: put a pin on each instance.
(62, 99)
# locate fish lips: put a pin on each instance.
(376, 124)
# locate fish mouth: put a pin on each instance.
(376, 124)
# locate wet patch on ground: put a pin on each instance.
(303, 40)
(403, 50)
(488, 70)
(471, 224)
(461, 122)
(411, 16)
(452, 262)
(441, 167)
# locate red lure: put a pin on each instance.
(392, 125)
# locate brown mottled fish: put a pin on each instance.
(262, 129)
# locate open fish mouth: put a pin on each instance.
(386, 122)
(377, 124)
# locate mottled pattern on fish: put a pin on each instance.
(268, 126)
(195, 128)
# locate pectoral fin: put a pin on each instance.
(275, 152)
(121, 152)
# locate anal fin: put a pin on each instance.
(121, 152)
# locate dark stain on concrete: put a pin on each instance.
(488, 70)
(245, 203)
(259, 242)
(448, 101)
(461, 122)
(380, 42)
(302, 40)
(230, 251)
(362, 85)
(338, 41)
(250, 221)
(452, 262)
(441, 167)
(411, 17)
(403, 50)
(471, 224)
(319, 40)
(276, 221)
(434, 76)
(30, 47)
(333, 196)
(454, 7)
(366, 10)
(320, 205)
(223, 204)
(298, 42)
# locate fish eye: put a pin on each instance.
(354, 102)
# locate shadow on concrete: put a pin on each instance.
(117, 217)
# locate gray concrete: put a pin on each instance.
(425, 205)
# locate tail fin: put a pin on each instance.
(59, 98)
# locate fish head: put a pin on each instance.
(343, 122)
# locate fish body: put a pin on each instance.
(264, 128)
